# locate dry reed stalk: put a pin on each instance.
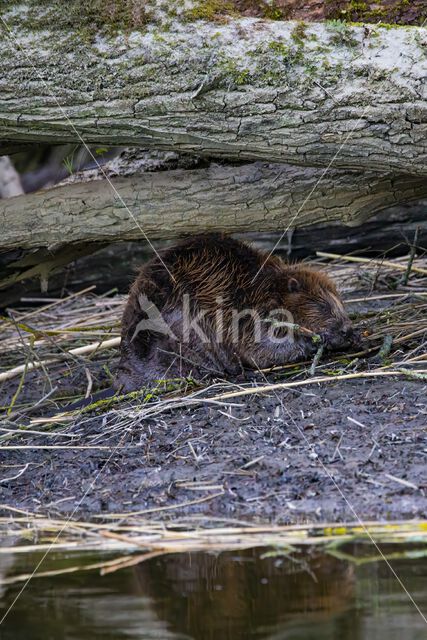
(166, 508)
(58, 572)
(89, 536)
(318, 380)
(386, 296)
(30, 447)
(130, 561)
(372, 261)
(58, 302)
(79, 351)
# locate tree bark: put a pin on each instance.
(10, 183)
(248, 90)
(169, 204)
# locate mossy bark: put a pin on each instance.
(249, 89)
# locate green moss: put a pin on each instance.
(341, 33)
(376, 13)
(290, 53)
(280, 57)
(271, 78)
(358, 6)
(220, 10)
(157, 37)
(86, 17)
(279, 47)
(232, 70)
(211, 10)
(402, 12)
(273, 12)
(144, 395)
(386, 25)
(322, 48)
(361, 72)
(89, 17)
(299, 33)
(311, 68)
(243, 77)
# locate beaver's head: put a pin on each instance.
(313, 300)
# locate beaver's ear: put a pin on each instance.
(293, 285)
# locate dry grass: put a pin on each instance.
(136, 539)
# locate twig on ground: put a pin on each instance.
(411, 258)
(405, 483)
(386, 347)
(316, 359)
(18, 475)
(157, 509)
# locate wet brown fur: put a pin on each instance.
(213, 267)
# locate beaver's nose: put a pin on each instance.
(348, 334)
(346, 330)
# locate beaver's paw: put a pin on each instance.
(127, 380)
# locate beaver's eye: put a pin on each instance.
(293, 285)
(324, 306)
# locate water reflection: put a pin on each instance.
(227, 596)
(210, 596)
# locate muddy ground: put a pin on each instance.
(335, 452)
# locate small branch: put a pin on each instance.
(18, 475)
(386, 347)
(412, 255)
(316, 360)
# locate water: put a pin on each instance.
(218, 596)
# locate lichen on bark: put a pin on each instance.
(244, 89)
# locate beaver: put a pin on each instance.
(215, 306)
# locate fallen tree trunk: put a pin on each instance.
(169, 204)
(390, 233)
(247, 90)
